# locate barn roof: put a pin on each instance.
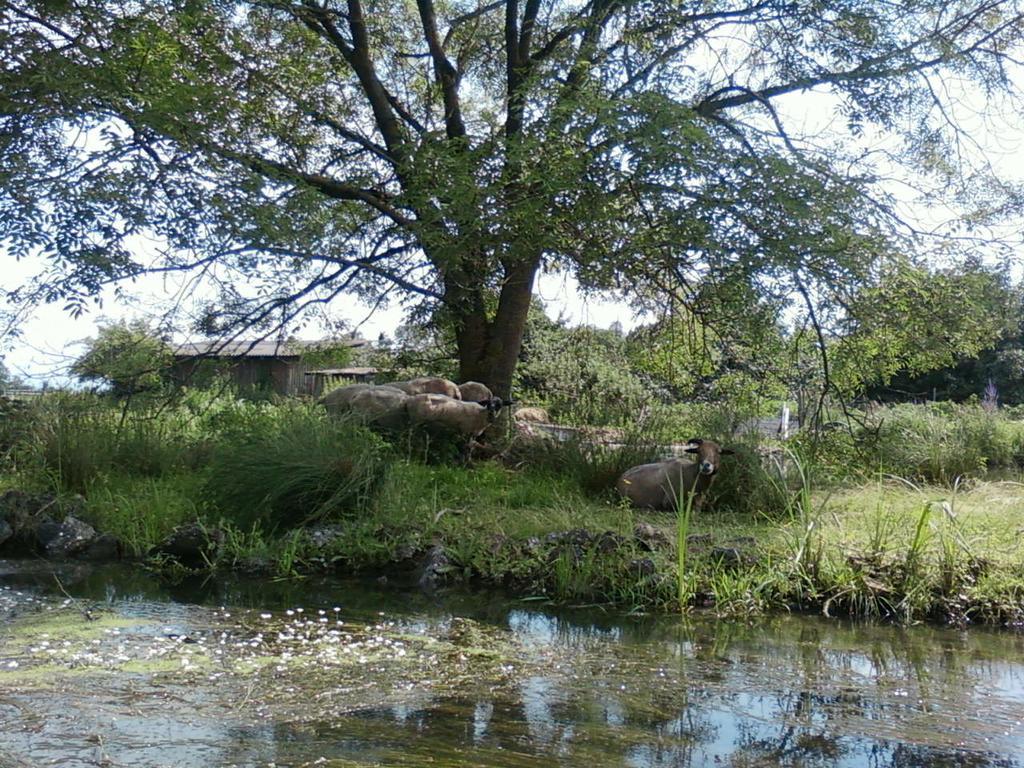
(259, 348)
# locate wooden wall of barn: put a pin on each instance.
(285, 377)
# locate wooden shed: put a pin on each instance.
(276, 366)
(329, 378)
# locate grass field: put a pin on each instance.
(912, 530)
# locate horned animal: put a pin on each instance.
(675, 482)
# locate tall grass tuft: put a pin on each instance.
(294, 468)
(915, 584)
(142, 510)
(803, 535)
(593, 466)
(941, 442)
(78, 438)
(684, 516)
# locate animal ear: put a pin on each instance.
(696, 440)
(727, 452)
(691, 450)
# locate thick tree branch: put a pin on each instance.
(319, 116)
(460, 20)
(514, 98)
(326, 185)
(444, 71)
(526, 32)
(556, 40)
(357, 54)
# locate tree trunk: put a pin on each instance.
(489, 349)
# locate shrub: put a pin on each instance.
(78, 438)
(142, 511)
(757, 480)
(940, 442)
(581, 375)
(593, 466)
(835, 454)
(294, 467)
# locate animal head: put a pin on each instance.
(494, 405)
(709, 455)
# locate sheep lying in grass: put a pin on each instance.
(475, 391)
(437, 413)
(666, 484)
(425, 385)
(532, 413)
(382, 406)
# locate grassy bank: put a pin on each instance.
(914, 515)
(885, 549)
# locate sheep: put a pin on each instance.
(426, 385)
(475, 391)
(533, 413)
(338, 400)
(444, 414)
(382, 406)
(666, 484)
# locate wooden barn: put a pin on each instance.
(274, 366)
(329, 378)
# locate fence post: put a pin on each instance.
(784, 422)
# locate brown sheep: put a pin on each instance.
(532, 413)
(440, 413)
(666, 484)
(382, 406)
(426, 385)
(475, 392)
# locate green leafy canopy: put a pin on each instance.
(293, 153)
(127, 356)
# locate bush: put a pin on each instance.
(78, 438)
(291, 466)
(757, 480)
(142, 511)
(836, 454)
(941, 442)
(581, 375)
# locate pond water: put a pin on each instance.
(109, 666)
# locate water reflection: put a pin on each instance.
(581, 689)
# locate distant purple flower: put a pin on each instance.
(990, 400)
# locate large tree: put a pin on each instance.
(293, 152)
